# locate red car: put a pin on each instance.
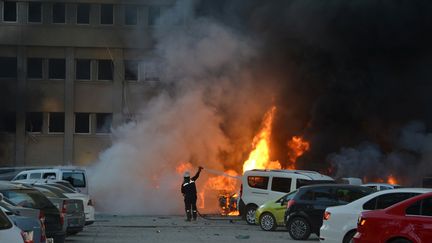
(404, 222)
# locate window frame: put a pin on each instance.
(41, 13)
(96, 124)
(89, 14)
(41, 127)
(16, 12)
(42, 68)
(49, 121)
(113, 14)
(90, 69)
(49, 69)
(112, 70)
(136, 9)
(15, 75)
(137, 70)
(65, 13)
(258, 176)
(89, 123)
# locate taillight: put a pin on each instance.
(42, 220)
(290, 203)
(361, 221)
(326, 215)
(90, 203)
(63, 212)
(27, 236)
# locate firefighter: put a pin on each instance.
(189, 191)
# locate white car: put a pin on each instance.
(8, 231)
(381, 186)
(340, 222)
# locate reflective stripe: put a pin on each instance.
(187, 183)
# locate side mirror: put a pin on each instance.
(283, 202)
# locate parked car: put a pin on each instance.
(260, 186)
(270, 215)
(340, 222)
(31, 198)
(304, 214)
(74, 175)
(409, 221)
(8, 231)
(381, 186)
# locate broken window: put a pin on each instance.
(58, 13)
(82, 122)
(131, 70)
(56, 122)
(34, 12)
(57, 68)
(105, 70)
(131, 15)
(10, 11)
(34, 121)
(153, 14)
(8, 67)
(103, 122)
(107, 11)
(83, 67)
(83, 13)
(8, 122)
(34, 68)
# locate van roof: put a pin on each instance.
(53, 169)
(307, 174)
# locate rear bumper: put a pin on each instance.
(330, 235)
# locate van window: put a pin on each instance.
(280, 184)
(76, 179)
(49, 175)
(35, 175)
(21, 177)
(260, 182)
(4, 221)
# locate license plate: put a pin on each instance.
(49, 240)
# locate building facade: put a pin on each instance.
(69, 72)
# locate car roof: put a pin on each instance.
(379, 184)
(331, 185)
(305, 174)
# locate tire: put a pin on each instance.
(250, 214)
(267, 222)
(348, 237)
(299, 228)
(400, 240)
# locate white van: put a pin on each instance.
(74, 175)
(260, 186)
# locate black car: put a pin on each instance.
(304, 214)
(31, 198)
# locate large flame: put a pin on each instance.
(259, 158)
(297, 147)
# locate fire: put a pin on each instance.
(298, 146)
(392, 180)
(185, 166)
(259, 158)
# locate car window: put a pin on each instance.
(287, 197)
(4, 221)
(76, 179)
(387, 200)
(21, 177)
(385, 188)
(303, 182)
(260, 182)
(427, 207)
(318, 194)
(280, 184)
(414, 209)
(35, 175)
(28, 198)
(50, 175)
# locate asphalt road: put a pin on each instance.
(125, 229)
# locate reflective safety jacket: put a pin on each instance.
(188, 188)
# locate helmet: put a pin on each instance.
(186, 174)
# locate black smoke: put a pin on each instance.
(343, 72)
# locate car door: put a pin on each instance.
(279, 186)
(323, 197)
(258, 189)
(419, 216)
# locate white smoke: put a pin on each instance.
(201, 62)
(409, 160)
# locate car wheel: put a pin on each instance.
(299, 228)
(250, 214)
(400, 241)
(349, 236)
(267, 222)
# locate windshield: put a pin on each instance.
(76, 179)
(287, 197)
(28, 198)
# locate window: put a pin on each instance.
(8, 122)
(34, 68)
(386, 200)
(280, 184)
(21, 177)
(260, 182)
(153, 15)
(49, 175)
(58, 13)
(103, 122)
(76, 179)
(83, 13)
(57, 68)
(105, 70)
(302, 182)
(319, 194)
(131, 70)
(8, 67)
(10, 11)
(427, 207)
(56, 122)
(35, 175)
(34, 121)
(106, 14)
(414, 209)
(34, 12)
(83, 67)
(131, 15)
(82, 122)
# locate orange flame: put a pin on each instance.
(298, 146)
(392, 180)
(259, 158)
